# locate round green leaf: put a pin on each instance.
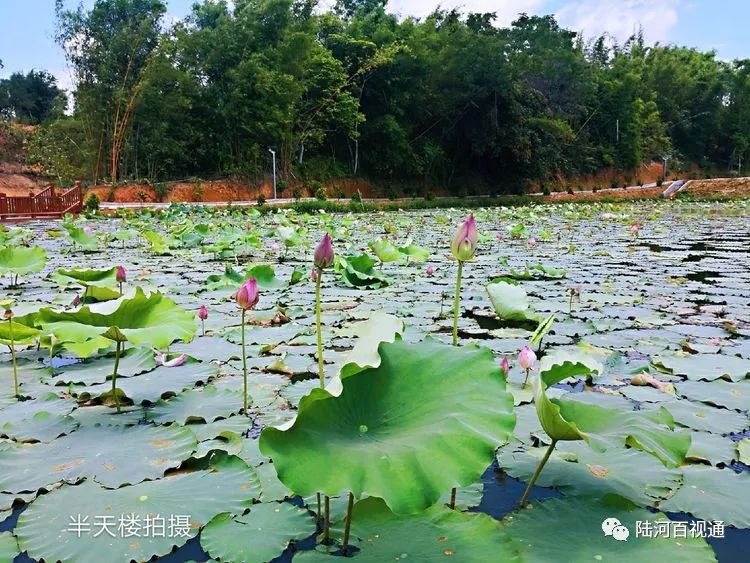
(259, 536)
(427, 419)
(22, 260)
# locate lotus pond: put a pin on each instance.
(221, 385)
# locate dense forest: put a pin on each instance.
(450, 100)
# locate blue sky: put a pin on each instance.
(27, 26)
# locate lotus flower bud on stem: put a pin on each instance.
(323, 256)
(527, 361)
(247, 298)
(505, 365)
(203, 315)
(430, 271)
(121, 277)
(464, 243)
(634, 229)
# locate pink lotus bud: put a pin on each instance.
(531, 242)
(275, 246)
(88, 230)
(505, 365)
(161, 360)
(464, 243)
(76, 301)
(430, 270)
(314, 274)
(203, 313)
(323, 257)
(248, 295)
(120, 276)
(634, 229)
(527, 358)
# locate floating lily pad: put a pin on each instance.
(190, 500)
(206, 404)
(259, 536)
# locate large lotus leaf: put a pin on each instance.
(206, 404)
(22, 260)
(18, 332)
(132, 362)
(713, 494)
(82, 238)
(265, 276)
(427, 419)
(385, 251)
(711, 448)
(706, 418)
(414, 252)
(161, 383)
(152, 320)
(48, 402)
(358, 271)
(509, 301)
(8, 547)
(229, 486)
(113, 456)
(106, 277)
(259, 536)
(720, 393)
(435, 535)
(579, 470)
(705, 366)
(41, 427)
(571, 530)
(604, 427)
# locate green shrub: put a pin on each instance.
(429, 196)
(357, 197)
(545, 189)
(161, 189)
(341, 194)
(297, 194)
(198, 192)
(570, 190)
(320, 194)
(659, 182)
(261, 199)
(92, 203)
(142, 196)
(111, 195)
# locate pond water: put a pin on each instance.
(673, 302)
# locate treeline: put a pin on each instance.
(449, 100)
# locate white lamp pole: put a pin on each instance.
(273, 154)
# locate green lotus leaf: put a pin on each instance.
(159, 244)
(88, 277)
(359, 271)
(541, 331)
(705, 366)
(578, 470)
(571, 530)
(732, 395)
(152, 320)
(8, 547)
(561, 363)
(22, 260)
(206, 404)
(380, 327)
(510, 301)
(435, 535)
(17, 328)
(601, 427)
(700, 416)
(265, 276)
(427, 419)
(385, 250)
(79, 236)
(743, 451)
(229, 486)
(415, 252)
(103, 453)
(132, 362)
(710, 448)
(713, 494)
(259, 536)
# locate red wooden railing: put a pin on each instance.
(45, 204)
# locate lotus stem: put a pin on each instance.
(13, 356)
(525, 379)
(120, 289)
(319, 513)
(317, 326)
(327, 521)
(203, 328)
(114, 375)
(457, 302)
(570, 304)
(348, 523)
(538, 470)
(452, 503)
(244, 367)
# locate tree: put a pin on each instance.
(30, 98)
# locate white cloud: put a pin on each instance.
(621, 18)
(506, 10)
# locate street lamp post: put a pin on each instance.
(273, 154)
